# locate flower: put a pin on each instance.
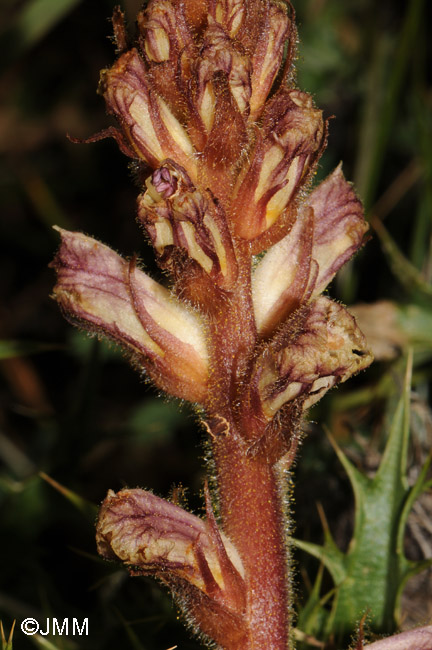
(104, 293)
(153, 536)
(329, 229)
(180, 218)
(324, 348)
(286, 148)
(313, 342)
(226, 147)
(149, 126)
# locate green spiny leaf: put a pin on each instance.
(370, 576)
(330, 556)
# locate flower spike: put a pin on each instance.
(226, 146)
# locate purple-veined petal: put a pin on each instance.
(147, 122)
(285, 148)
(327, 350)
(102, 292)
(339, 226)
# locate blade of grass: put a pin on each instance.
(6, 644)
(89, 510)
(12, 348)
(34, 21)
(407, 274)
(375, 132)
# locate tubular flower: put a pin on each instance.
(286, 147)
(152, 536)
(329, 229)
(104, 293)
(178, 216)
(226, 147)
(327, 349)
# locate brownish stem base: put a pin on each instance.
(253, 517)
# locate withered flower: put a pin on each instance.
(206, 103)
(327, 349)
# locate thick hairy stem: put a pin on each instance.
(251, 508)
(253, 517)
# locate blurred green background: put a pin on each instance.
(72, 408)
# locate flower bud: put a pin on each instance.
(104, 293)
(267, 57)
(157, 44)
(164, 31)
(327, 350)
(229, 14)
(178, 216)
(329, 230)
(219, 55)
(148, 124)
(285, 149)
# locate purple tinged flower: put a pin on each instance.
(282, 280)
(157, 30)
(285, 150)
(177, 217)
(104, 293)
(319, 345)
(164, 182)
(192, 556)
(164, 32)
(152, 535)
(229, 13)
(219, 55)
(267, 57)
(329, 230)
(149, 126)
(416, 639)
(340, 226)
(324, 347)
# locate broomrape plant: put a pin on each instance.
(227, 147)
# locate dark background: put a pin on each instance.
(70, 406)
